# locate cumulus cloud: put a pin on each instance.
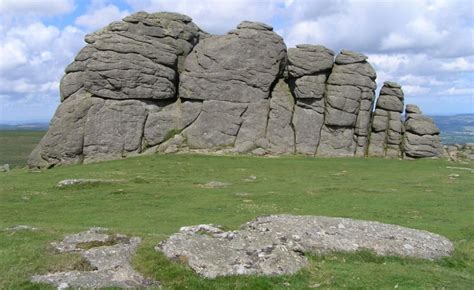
(100, 17)
(459, 64)
(36, 7)
(215, 16)
(32, 61)
(458, 91)
(12, 54)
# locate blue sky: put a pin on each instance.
(425, 45)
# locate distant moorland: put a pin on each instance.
(33, 126)
(456, 129)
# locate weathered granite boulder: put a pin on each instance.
(137, 58)
(308, 59)
(412, 109)
(240, 66)
(349, 97)
(64, 141)
(275, 245)
(308, 69)
(105, 88)
(387, 126)
(421, 139)
(158, 83)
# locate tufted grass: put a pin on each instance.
(165, 192)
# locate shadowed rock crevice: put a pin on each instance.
(158, 83)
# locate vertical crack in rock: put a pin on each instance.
(280, 133)
(143, 145)
(253, 128)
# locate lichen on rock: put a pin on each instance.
(276, 244)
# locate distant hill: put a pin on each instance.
(456, 129)
(39, 126)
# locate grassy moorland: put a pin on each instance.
(163, 193)
(16, 146)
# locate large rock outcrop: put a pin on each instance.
(421, 138)
(158, 83)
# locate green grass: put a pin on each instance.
(163, 193)
(16, 146)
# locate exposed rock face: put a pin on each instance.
(280, 134)
(349, 97)
(274, 245)
(158, 83)
(109, 257)
(421, 138)
(240, 66)
(387, 126)
(308, 68)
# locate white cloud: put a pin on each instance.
(440, 28)
(396, 41)
(215, 16)
(415, 90)
(35, 35)
(12, 54)
(418, 80)
(36, 7)
(100, 17)
(452, 91)
(32, 61)
(458, 64)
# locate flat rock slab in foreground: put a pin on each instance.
(108, 255)
(275, 245)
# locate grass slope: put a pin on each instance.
(163, 193)
(16, 146)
